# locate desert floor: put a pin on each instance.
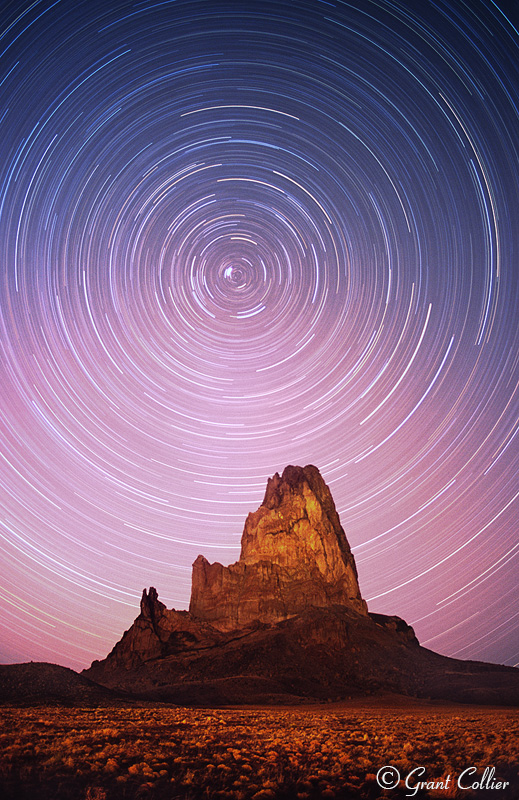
(330, 751)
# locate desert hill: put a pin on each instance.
(40, 683)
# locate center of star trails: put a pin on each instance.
(235, 275)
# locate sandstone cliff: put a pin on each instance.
(286, 622)
(294, 555)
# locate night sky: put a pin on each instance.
(240, 235)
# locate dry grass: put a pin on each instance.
(240, 754)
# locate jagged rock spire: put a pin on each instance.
(294, 555)
(151, 607)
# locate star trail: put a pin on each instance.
(236, 236)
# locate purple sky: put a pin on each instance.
(239, 236)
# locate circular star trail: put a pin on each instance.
(236, 236)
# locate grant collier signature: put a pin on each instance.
(389, 778)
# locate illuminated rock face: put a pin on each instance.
(294, 555)
(286, 622)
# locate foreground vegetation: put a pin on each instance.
(245, 754)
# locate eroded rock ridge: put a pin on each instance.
(286, 622)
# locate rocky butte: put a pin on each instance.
(294, 554)
(286, 622)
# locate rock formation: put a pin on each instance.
(286, 622)
(294, 554)
(159, 631)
